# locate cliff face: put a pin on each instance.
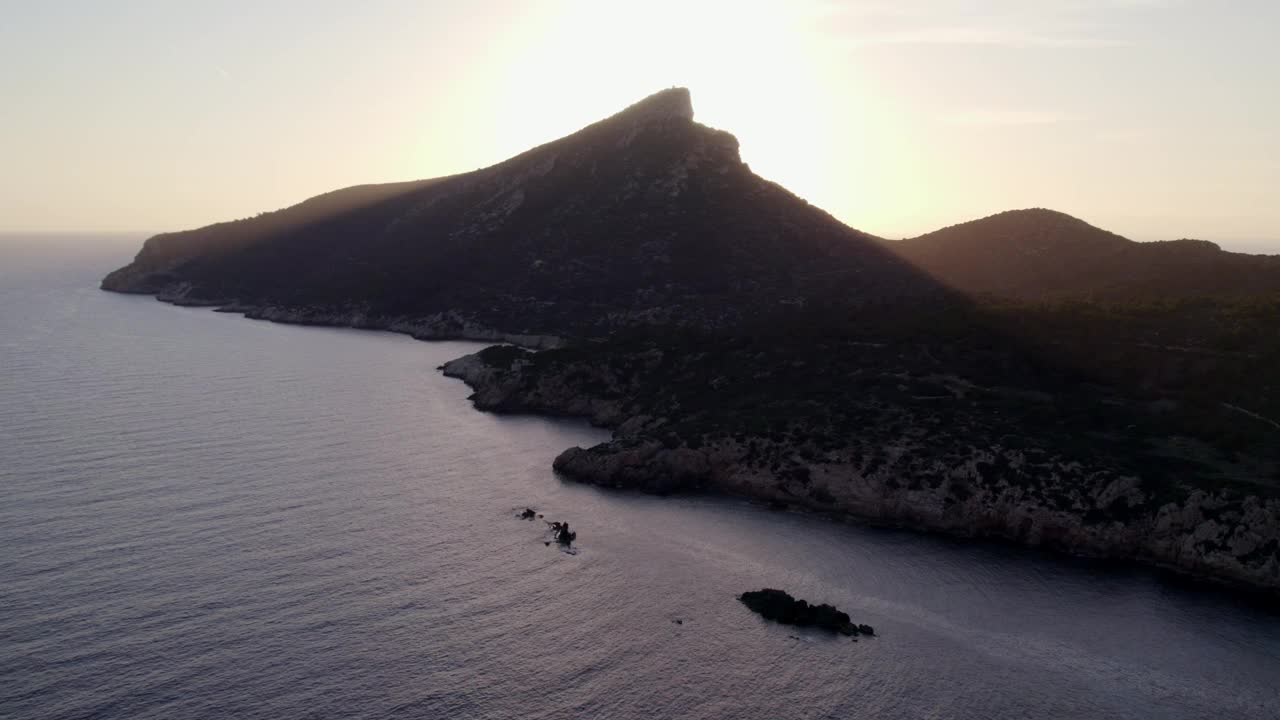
(903, 444)
(1223, 535)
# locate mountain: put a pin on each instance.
(1044, 255)
(643, 218)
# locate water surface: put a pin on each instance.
(203, 516)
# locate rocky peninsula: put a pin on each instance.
(903, 442)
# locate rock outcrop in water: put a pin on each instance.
(780, 607)
(562, 533)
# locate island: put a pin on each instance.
(780, 607)
(1025, 377)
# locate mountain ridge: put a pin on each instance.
(1041, 254)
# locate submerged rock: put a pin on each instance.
(780, 607)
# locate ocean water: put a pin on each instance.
(203, 516)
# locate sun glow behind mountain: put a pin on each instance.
(1154, 118)
(753, 69)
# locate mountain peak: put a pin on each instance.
(1039, 254)
(1038, 213)
(672, 103)
(1022, 229)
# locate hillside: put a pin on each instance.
(1045, 255)
(643, 218)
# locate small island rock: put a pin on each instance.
(780, 607)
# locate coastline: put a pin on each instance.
(1197, 537)
(628, 461)
(447, 325)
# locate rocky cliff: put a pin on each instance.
(904, 442)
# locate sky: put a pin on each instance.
(1156, 119)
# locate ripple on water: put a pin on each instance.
(207, 517)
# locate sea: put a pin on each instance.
(204, 516)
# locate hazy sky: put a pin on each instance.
(1157, 119)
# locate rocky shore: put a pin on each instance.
(950, 467)
(448, 325)
(974, 480)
